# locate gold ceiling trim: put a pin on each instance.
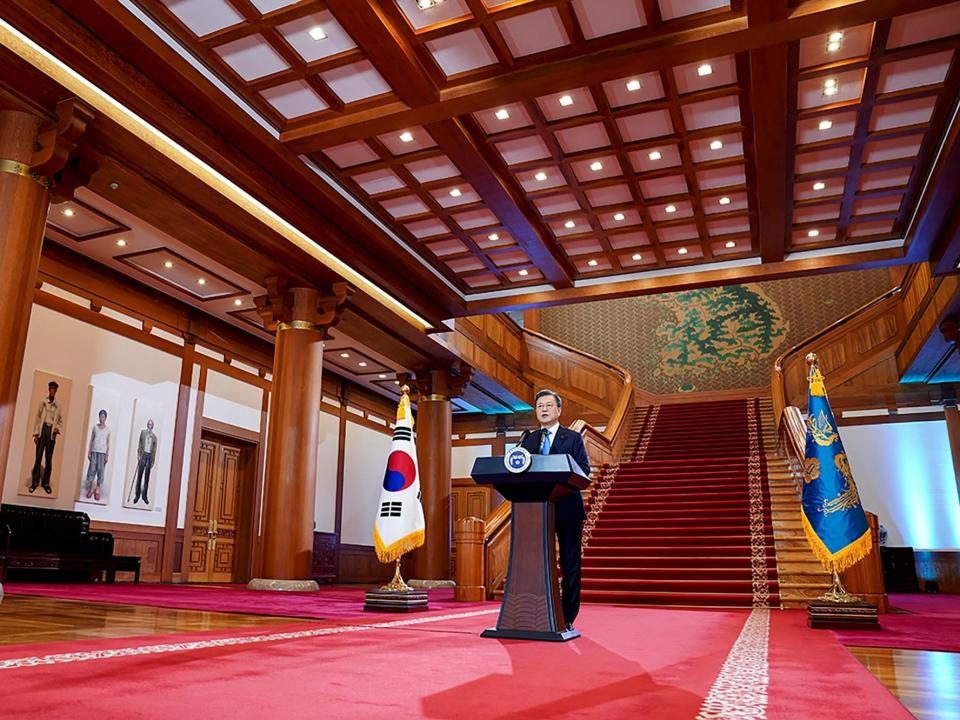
(102, 102)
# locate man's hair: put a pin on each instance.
(544, 393)
(53, 384)
(103, 412)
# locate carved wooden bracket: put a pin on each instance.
(950, 329)
(448, 383)
(301, 307)
(57, 142)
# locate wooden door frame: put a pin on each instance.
(248, 517)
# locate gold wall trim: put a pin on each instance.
(37, 56)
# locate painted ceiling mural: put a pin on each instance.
(717, 338)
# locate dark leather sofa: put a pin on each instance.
(45, 543)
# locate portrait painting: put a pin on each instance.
(99, 459)
(47, 424)
(143, 457)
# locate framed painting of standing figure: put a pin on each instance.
(47, 424)
(142, 467)
(98, 456)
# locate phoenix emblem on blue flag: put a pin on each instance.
(833, 518)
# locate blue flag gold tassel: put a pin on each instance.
(833, 518)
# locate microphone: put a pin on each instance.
(523, 437)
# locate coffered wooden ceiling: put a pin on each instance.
(537, 143)
(531, 152)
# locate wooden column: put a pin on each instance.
(31, 151)
(469, 538)
(300, 317)
(953, 434)
(434, 428)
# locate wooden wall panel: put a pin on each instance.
(359, 564)
(941, 566)
(143, 541)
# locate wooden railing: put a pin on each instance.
(594, 391)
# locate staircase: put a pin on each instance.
(687, 520)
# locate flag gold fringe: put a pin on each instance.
(842, 559)
(389, 553)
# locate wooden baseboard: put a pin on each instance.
(940, 566)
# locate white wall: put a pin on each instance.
(328, 449)
(904, 473)
(462, 457)
(364, 463)
(232, 401)
(88, 356)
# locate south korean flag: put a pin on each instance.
(399, 527)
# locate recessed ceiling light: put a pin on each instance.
(406, 136)
(569, 224)
(833, 46)
(493, 236)
(831, 86)
(724, 200)
(834, 40)
(455, 192)
(382, 376)
(540, 176)
(654, 155)
(716, 145)
(427, 4)
(592, 263)
(633, 85)
(813, 233)
(168, 264)
(825, 124)
(619, 217)
(730, 244)
(121, 243)
(362, 363)
(704, 70)
(637, 256)
(344, 355)
(681, 251)
(566, 100)
(819, 186)
(201, 281)
(68, 212)
(523, 273)
(238, 302)
(317, 33)
(502, 114)
(596, 165)
(670, 208)
(396, 382)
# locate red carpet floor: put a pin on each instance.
(328, 603)
(917, 622)
(631, 662)
(687, 515)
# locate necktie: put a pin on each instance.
(545, 445)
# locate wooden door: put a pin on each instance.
(216, 514)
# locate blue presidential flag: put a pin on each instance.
(399, 527)
(833, 517)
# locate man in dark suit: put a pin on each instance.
(554, 439)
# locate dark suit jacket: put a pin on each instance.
(570, 508)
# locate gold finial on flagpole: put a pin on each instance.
(811, 358)
(405, 389)
(397, 584)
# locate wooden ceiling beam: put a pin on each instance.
(660, 283)
(387, 48)
(647, 54)
(768, 104)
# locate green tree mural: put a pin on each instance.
(731, 327)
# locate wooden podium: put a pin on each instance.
(531, 602)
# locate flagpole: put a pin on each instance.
(838, 593)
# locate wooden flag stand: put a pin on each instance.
(396, 596)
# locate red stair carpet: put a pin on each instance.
(687, 518)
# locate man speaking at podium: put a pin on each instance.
(554, 439)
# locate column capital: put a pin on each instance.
(438, 384)
(301, 308)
